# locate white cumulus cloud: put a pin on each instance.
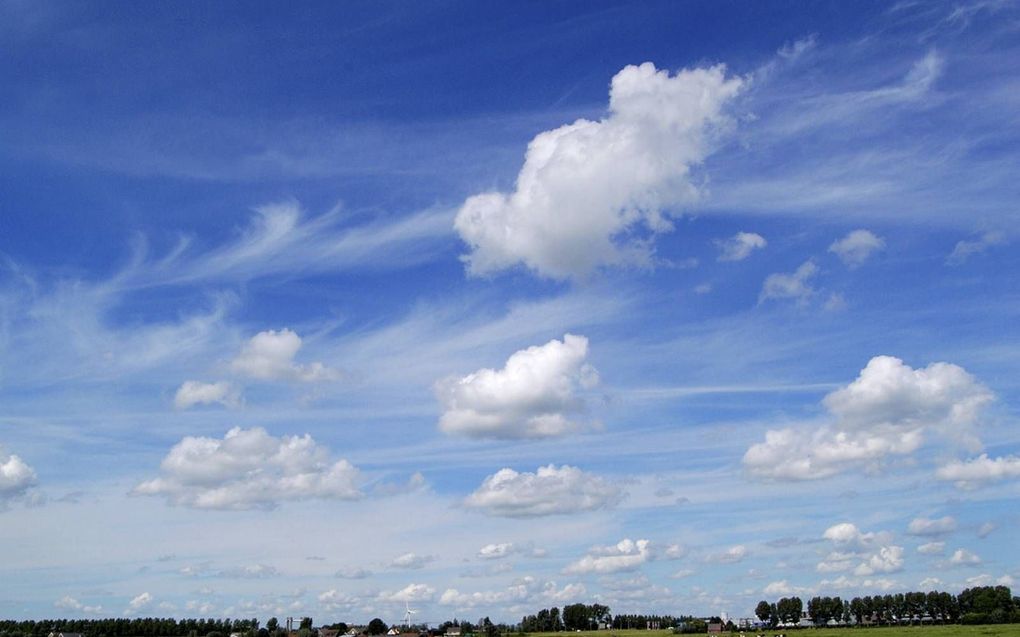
(626, 555)
(931, 548)
(963, 557)
(334, 600)
(795, 285)
(496, 551)
(139, 603)
(411, 561)
(967, 248)
(587, 188)
(740, 246)
(731, 555)
(249, 468)
(193, 392)
(269, 355)
(537, 394)
(986, 579)
(410, 593)
(352, 572)
(847, 534)
(16, 476)
(250, 571)
(856, 247)
(977, 471)
(886, 411)
(550, 490)
(888, 559)
(506, 549)
(68, 603)
(781, 588)
(521, 591)
(929, 526)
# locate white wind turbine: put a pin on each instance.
(407, 614)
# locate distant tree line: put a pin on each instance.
(645, 621)
(133, 627)
(978, 605)
(591, 616)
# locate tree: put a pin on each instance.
(377, 627)
(764, 611)
(554, 619)
(306, 623)
(790, 609)
(575, 617)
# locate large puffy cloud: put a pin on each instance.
(972, 473)
(249, 468)
(855, 248)
(626, 555)
(537, 393)
(885, 411)
(269, 355)
(740, 246)
(16, 476)
(193, 392)
(587, 188)
(888, 392)
(550, 490)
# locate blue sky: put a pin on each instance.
(482, 308)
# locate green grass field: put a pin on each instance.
(989, 630)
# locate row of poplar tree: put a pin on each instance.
(978, 605)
